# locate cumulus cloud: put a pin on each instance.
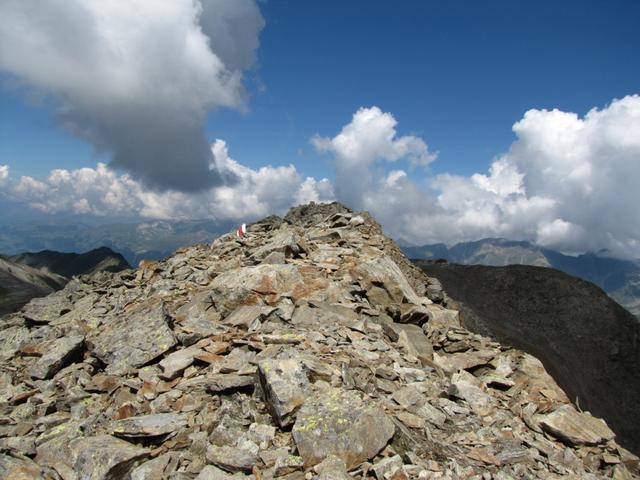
(370, 137)
(4, 173)
(103, 192)
(136, 78)
(567, 182)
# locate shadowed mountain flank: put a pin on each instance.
(588, 342)
(71, 264)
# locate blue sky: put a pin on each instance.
(458, 73)
(449, 79)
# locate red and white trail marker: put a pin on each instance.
(242, 230)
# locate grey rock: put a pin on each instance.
(285, 386)
(175, 363)
(123, 347)
(233, 459)
(338, 422)
(575, 428)
(387, 467)
(230, 381)
(209, 472)
(58, 354)
(104, 457)
(148, 425)
(332, 468)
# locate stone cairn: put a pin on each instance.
(308, 349)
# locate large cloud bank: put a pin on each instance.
(567, 182)
(136, 78)
(102, 192)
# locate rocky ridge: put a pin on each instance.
(311, 348)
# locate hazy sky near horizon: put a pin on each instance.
(450, 121)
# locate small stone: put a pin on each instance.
(209, 472)
(233, 459)
(175, 363)
(386, 467)
(286, 464)
(285, 386)
(148, 425)
(231, 381)
(332, 468)
(104, 457)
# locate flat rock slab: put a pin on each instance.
(233, 459)
(59, 354)
(175, 363)
(385, 272)
(285, 385)
(209, 472)
(148, 425)
(575, 428)
(104, 457)
(134, 339)
(338, 422)
(231, 381)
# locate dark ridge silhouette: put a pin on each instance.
(588, 342)
(70, 264)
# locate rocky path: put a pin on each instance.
(310, 348)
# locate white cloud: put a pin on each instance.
(4, 173)
(566, 182)
(136, 78)
(370, 137)
(102, 192)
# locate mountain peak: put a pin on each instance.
(309, 345)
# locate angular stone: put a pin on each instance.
(233, 459)
(104, 457)
(58, 354)
(175, 363)
(386, 467)
(12, 468)
(332, 468)
(197, 319)
(152, 469)
(239, 286)
(231, 381)
(463, 385)
(248, 316)
(151, 425)
(384, 272)
(414, 314)
(285, 386)
(209, 472)
(415, 342)
(122, 347)
(575, 428)
(337, 422)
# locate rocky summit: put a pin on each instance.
(310, 348)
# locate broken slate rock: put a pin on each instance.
(285, 384)
(104, 457)
(338, 422)
(148, 425)
(231, 381)
(59, 353)
(332, 468)
(122, 347)
(233, 459)
(209, 472)
(575, 428)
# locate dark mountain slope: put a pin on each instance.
(20, 283)
(70, 264)
(619, 278)
(588, 342)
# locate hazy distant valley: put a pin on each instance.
(135, 241)
(619, 278)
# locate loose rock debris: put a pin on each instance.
(307, 348)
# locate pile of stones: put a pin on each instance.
(308, 349)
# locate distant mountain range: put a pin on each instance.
(135, 241)
(31, 275)
(619, 278)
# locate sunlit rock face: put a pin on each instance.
(310, 347)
